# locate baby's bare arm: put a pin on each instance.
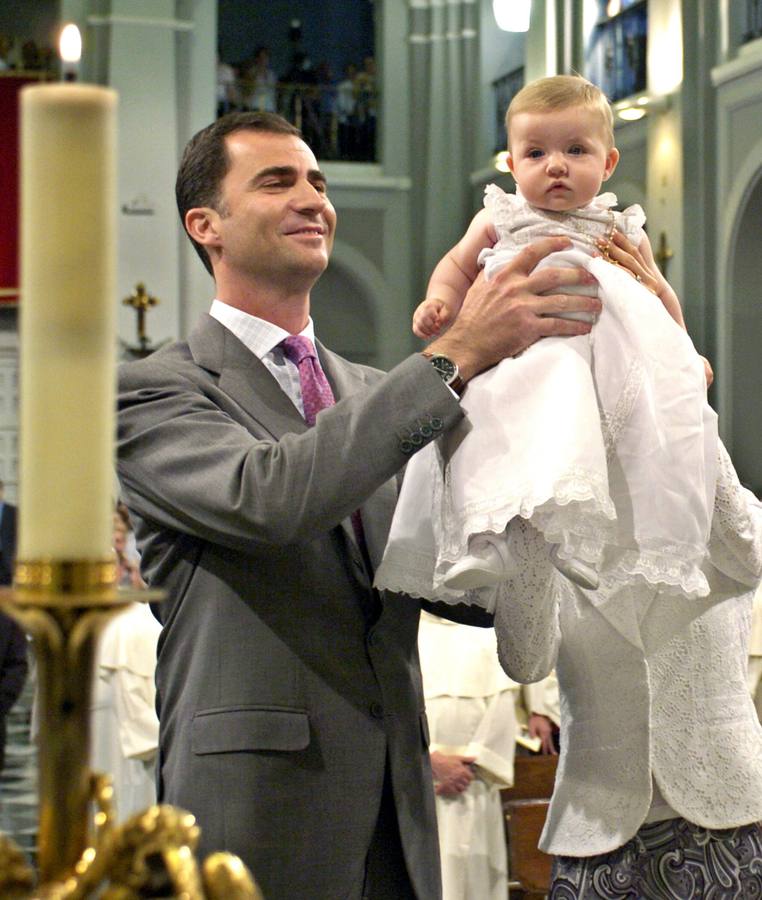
(452, 277)
(663, 290)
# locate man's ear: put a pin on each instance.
(612, 158)
(202, 224)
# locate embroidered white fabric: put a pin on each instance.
(517, 223)
(652, 684)
(603, 441)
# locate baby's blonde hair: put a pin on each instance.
(561, 92)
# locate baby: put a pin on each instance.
(604, 442)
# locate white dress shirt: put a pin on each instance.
(263, 339)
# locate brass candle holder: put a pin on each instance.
(82, 852)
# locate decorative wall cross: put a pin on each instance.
(664, 254)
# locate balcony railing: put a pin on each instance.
(616, 54)
(338, 122)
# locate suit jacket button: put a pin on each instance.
(377, 710)
(406, 447)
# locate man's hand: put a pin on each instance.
(518, 306)
(452, 773)
(541, 727)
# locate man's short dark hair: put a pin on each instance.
(205, 162)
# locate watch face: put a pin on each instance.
(446, 367)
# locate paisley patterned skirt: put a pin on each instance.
(671, 860)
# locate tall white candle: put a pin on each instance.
(68, 300)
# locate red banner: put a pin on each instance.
(10, 85)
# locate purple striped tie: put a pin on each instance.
(317, 395)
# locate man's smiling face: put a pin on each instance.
(277, 223)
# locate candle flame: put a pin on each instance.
(70, 44)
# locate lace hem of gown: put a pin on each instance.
(580, 518)
(673, 567)
(403, 576)
(664, 569)
(578, 512)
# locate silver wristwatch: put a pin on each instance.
(447, 371)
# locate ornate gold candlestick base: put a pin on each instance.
(64, 606)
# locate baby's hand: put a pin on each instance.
(431, 317)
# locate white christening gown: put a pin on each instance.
(605, 442)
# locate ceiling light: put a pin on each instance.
(512, 15)
(500, 161)
(631, 113)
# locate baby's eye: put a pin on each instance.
(535, 154)
(576, 149)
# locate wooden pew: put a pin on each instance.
(525, 806)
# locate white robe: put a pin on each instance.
(125, 729)
(471, 709)
(653, 685)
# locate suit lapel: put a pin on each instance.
(244, 378)
(247, 381)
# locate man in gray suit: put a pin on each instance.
(292, 717)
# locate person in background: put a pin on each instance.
(13, 672)
(367, 108)
(124, 727)
(538, 712)
(260, 83)
(660, 771)
(13, 641)
(227, 88)
(6, 45)
(346, 105)
(471, 707)
(7, 538)
(127, 557)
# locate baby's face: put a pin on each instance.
(560, 159)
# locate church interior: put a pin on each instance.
(407, 170)
(444, 75)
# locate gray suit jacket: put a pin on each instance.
(284, 681)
